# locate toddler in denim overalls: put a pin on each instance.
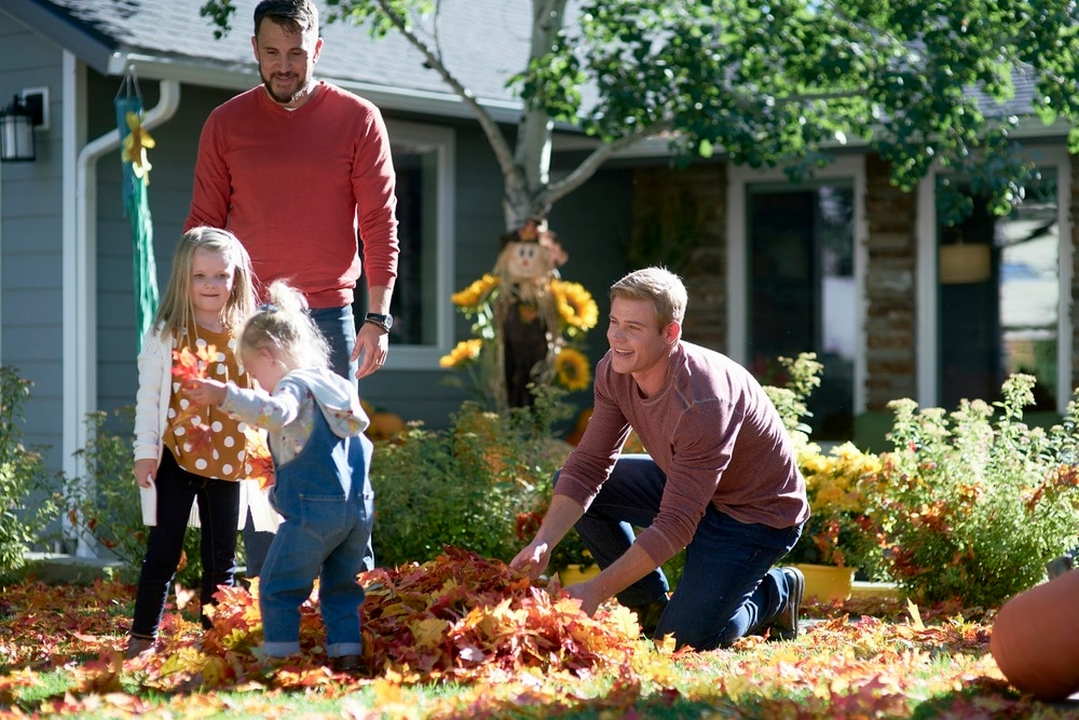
(321, 487)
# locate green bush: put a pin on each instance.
(107, 504)
(26, 506)
(971, 506)
(482, 484)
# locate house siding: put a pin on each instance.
(31, 305)
(1073, 214)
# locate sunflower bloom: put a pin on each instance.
(475, 293)
(464, 351)
(575, 304)
(571, 369)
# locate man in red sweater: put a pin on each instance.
(291, 167)
(720, 480)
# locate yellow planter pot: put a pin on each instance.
(827, 582)
(574, 574)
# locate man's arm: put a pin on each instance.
(212, 186)
(372, 342)
(373, 187)
(563, 513)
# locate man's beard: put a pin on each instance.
(267, 82)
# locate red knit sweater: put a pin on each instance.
(291, 184)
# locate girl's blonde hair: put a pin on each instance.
(284, 327)
(176, 312)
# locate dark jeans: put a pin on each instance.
(728, 588)
(219, 505)
(338, 326)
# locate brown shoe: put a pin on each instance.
(137, 646)
(785, 624)
(347, 663)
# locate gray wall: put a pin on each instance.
(30, 237)
(592, 222)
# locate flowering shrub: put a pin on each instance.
(970, 506)
(482, 484)
(838, 531)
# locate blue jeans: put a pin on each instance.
(338, 326)
(728, 587)
(325, 535)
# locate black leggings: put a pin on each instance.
(219, 509)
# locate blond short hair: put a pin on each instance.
(283, 326)
(661, 286)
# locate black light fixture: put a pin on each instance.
(17, 123)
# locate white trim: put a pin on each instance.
(847, 167)
(928, 296)
(1064, 259)
(925, 272)
(425, 357)
(75, 371)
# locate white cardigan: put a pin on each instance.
(151, 421)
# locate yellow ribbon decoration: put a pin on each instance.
(135, 146)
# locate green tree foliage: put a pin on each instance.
(768, 83)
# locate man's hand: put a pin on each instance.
(145, 472)
(205, 392)
(372, 348)
(533, 559)
(588, 594)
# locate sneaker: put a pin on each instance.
(785, 623)
(1059, 566)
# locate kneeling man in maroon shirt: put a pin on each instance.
(720, 480)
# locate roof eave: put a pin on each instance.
(89, 45)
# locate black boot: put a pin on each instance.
(785, 624)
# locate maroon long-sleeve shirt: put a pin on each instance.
(711, 430)
(291, 184)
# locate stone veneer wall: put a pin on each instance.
(680, 220)
(1073, 214)
(890, 288)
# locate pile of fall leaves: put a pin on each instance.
(503, 644)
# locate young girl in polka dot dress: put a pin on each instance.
(210, 296)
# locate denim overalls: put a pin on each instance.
(324, 535)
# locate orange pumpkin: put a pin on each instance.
(1035, 638)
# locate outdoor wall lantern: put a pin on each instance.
(17, 123)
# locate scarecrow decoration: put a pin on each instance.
(527, 321)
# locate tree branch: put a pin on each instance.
(587, 168)
(490, 128)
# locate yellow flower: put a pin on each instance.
(575, 304)
(135, 146)
(572, 370)
(472, 295)
(464, 351)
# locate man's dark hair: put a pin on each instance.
(298, 16)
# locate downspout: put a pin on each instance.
(80, 301)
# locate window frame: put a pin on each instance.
(425, 357)
(845, 168)
(927, 298)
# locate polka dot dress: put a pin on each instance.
(223, 456)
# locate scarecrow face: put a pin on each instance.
(526, 260)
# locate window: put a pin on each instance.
(999, 297)
(802, 292)
(423, 315)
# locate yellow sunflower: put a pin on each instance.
(575, 304)
(464, 351)
(474, 294)
(572, 370)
